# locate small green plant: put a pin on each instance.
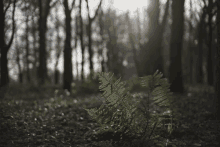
(128, 117)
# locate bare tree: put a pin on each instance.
(151, 57)
(81, 38)
(217, 84)
(76, 40)
(67, 76)
(199, 51)
(58, 51)
(27, 43)
(17, 47)
(44, 8)
(176, 78)
(210, 67)
(89, 33)
(190, 45)
(115, 29)
(101, 26)
(3, 46)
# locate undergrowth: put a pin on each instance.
(44, 116)
(127, 118)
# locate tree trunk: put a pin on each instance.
(3, 46)
(67, 76)
(217, 83)
(89, 33)
(159, 61)
(4, 67)
(81, 39)
(176, 78)
(199, 60)
(20, 76)
(190, 40)
(44, 11)
(101, 26)
(76, 42)
(27, 46)
(34, 45)
(151, 52)
(209, 56)
(58, 51)
(56, 76)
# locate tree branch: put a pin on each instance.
(73, 4)
(7, 7)
(204, 3)
(87, 6)
(54, 4)
(96, 12)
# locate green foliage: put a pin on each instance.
(125, 115)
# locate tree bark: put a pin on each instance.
(177, 26)
(81, 39)
(101, 26)
(151, 54)
(20, 75)
(76, 42)
(44, 11)
(34, 44)
(58, 51)
(199, 61)
(5, 47)
(27, 45)
(190, 45)
(209, 56)
(217, 83)
(217, 69)
(67, 76)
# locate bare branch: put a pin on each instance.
(7, 7)
(204, 3)
(73, 4)
(87, 6)
(96, 12)
(54, 4)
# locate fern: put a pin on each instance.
(121, 112)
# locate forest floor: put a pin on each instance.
(32, 117)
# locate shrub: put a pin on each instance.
(125, 117)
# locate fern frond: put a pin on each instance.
(121, 112)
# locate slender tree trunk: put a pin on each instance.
(20, 75)
(199, 62)
(217, 83)
(67, 76)
(89, 33)
(190, 45)
(76, 42)
(81, 40)
(177, 26)
(34, 44)
(3, 46)
(27, 47)
(159, 61)
(101, 26)
(209, 56)
(58, 51)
